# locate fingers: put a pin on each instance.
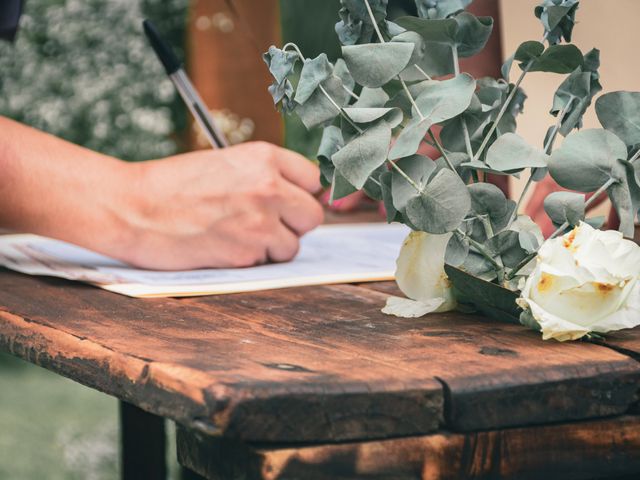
(298, 170)
(297, 209)
(283, 244)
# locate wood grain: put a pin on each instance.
(586, 450)
(308, 364)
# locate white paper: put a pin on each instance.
(329, 254)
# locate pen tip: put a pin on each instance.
(163, 50)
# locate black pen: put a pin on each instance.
(176, 73)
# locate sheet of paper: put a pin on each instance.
(329, 254)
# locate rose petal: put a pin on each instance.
(420, 269)
(406, 308)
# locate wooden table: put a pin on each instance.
(316, 383)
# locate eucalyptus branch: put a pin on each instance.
(325, 93)
(488, 230)
(465, 128)
(438, 145)
(480, 248)
(503, 110)
(405, 176)
(373, 20)
(547, 150)
(427, 76)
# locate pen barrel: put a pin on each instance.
(198, 109)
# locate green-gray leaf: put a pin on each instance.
(511, 153)
(340, 187)
(393, 116)
(280, 63)
(410, 138)
(437, 9)
(371, 97)
(619, 112)
(586, 159)
(442, 206)
(362, 155)
(373, 65)
(565, 207)
(558, 59)
(318, 109)
(442, 100)
(558, 19)
(330, 143)
(489, 200)
(419, 169)
(314, 72)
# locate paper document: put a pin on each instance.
(329, 254)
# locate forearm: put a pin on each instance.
(54, 188)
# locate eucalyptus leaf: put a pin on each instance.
(443, 100)
(527, 51)
(340, 187)
(457, 250)
(419, 45)
(355, 25)
(408, 142)
(419, 169)
(564, 207)
(362, 155)
(437, 9)
(586, 159)
(477, 265)
(466, 32)
(373, 65)
(341, 71)
(371, 97)
(511, 153)
(282, 94)
(575, 94)
(280, 62)
(442, 205)
(619, 112)
(529, 233)
(393, 116)
(625, 195)
(318, 109)
(473, 33)
(372, 187)
(558, 18)
(437, 62)
(387, 198)
(558, 59)
(488, 200)
(330, 142)
(314, 72)
(506, 245)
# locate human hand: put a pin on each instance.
(236, 207)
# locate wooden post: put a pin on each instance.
(226, 39)
(143, 444)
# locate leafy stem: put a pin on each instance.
(465, 128)
(503, 110)
(547, 149)
(480, 248)
(373, 20)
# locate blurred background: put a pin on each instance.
(81, 70)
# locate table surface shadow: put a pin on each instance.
(312, 364)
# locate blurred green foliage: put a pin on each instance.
(83, 70)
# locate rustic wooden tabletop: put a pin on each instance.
(315, 382)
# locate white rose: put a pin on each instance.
(586, 281)
(421, 277)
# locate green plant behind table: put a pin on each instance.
(389, 85)
(82, 70)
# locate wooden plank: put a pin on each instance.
(204, 367)
(607, 448)
(308, 364)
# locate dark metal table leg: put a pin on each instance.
(189, 475)
(143, 444)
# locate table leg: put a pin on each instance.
(143, 444)
(187, 474)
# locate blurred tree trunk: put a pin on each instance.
(225, 41)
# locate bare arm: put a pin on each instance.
(235, 207)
